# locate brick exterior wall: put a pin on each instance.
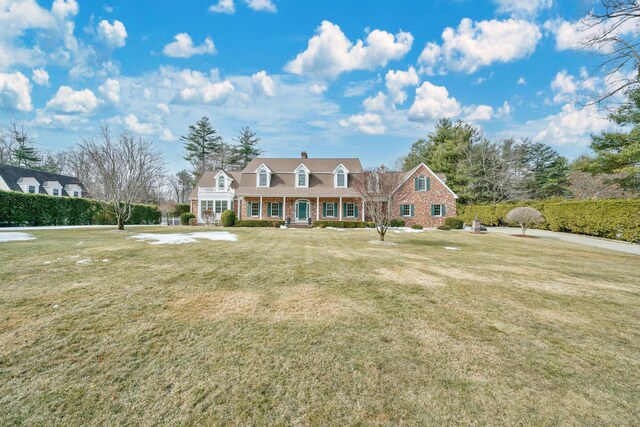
(194, 207)
(422, 200)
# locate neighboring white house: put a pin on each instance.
(215, 192)
(14, 178)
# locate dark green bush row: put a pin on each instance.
(20, 209)
(186, 217)
(613, 219)
(180, 209)
(396, 223)
(340, 224)
(454, 223)
(444, 227)
(259, 223)
(417, 227)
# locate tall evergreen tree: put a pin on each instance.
(201, 143)
(24, 153)
(548, 171)
(246, 148)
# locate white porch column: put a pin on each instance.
(240, 208)
(317, 208)
(363, 209)
(340, 208)
(260, 207)
(284, 208)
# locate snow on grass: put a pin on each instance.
(405, 230)
(15, 237)
(180, 238)
(451, 248)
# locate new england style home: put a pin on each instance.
(303, 189)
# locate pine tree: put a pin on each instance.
(201, 144)
(246, 148)
(548, 171)
(24, 153)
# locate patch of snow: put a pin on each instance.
(105, 260)
(179, 238)
(56, 306)
(405, 230)
(74, 256)
(15, 237)
(47, 262)
(451, 248)
(379, 243)
(83, 261)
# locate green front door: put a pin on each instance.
(303, 208)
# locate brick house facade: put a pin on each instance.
(303, 190)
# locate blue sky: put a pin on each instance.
(358, 78)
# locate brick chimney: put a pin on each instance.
(303, 155)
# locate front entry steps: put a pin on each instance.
(299, 225)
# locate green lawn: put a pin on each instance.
(317, 327)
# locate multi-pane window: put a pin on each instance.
(56, 192)
(437, 210)
(221, 182)
(76, 194)
(405, 210)
(206, 205)
(302, 179)
(221, 206)
(275, 209)
(350, 209)
(255, 209)
(330, 209)
(32, 189)
(422, 184)
(262, 178)
(340, 179)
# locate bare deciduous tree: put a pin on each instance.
(378, 187)
(208, 216)
(525, 217)
(123, 168)
(166, 207)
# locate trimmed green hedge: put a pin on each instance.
(180, 209)
(23, 209)
(341, 224)
(611, 218)
(259, 223)
(186, 217)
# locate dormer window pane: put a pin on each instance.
(340, 179)
(263, 178)
(302, 179)
(32, 189)
(221, 183)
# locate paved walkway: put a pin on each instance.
(614, 245)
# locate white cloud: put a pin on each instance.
(396, 81)
(64, 8)
(261, 5)
(330, 52)
(138, 127)
(522, 81)
(376, 103)
(575, 35)
(223, 6)
(478, 113)
(194, 87)
(366, 123)
(572, 126)
(15, 92)
(183, 47)
(113, 35)
(505, 111)
(167, 135)
(163, 107)
(564, 87)
(523, 7)
(477, 44)
(110, 89)
(262, 83)
(433, 102)
(40, 77)
(317, 88)
(67, 100)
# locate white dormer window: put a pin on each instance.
(221, 183)
(73, 190)
(340, 176)
(263, 177)
(302, 176)
(29, 185)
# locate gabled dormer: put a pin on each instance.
(263, 176)
(222, 182)
(340, 176)
(53, 188)
(29, 185)
(302, 176)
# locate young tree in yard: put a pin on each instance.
(246, 148)
(166, 207)
(378, 189)
(123, 169)
(525, 217)
(24, 153)
(201, 143)
(208, 216)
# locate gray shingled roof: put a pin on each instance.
(208, 180)
(11, 175)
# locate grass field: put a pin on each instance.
(317, 327)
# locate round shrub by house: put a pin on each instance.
(454, 223)
(228, 218)
(186, 217)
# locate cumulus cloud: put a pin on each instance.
(376, 103)
(318, 88)
(110, 89)
(575, 35)
(67, 100)
(396, 81)
(15, 92)
(262, 83)
(523, 7)
(195, 87)
(366, 123)
(478, 44)
(522, 81)
(138, 127)
(261, 5)
(433, 102)
(183, 47)
(330, 53)
(572, 126)
(113, 35)
(167, 135)
(564, 87)
(223, 6)
(478, 113)
(163, 107)
(40, 77)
